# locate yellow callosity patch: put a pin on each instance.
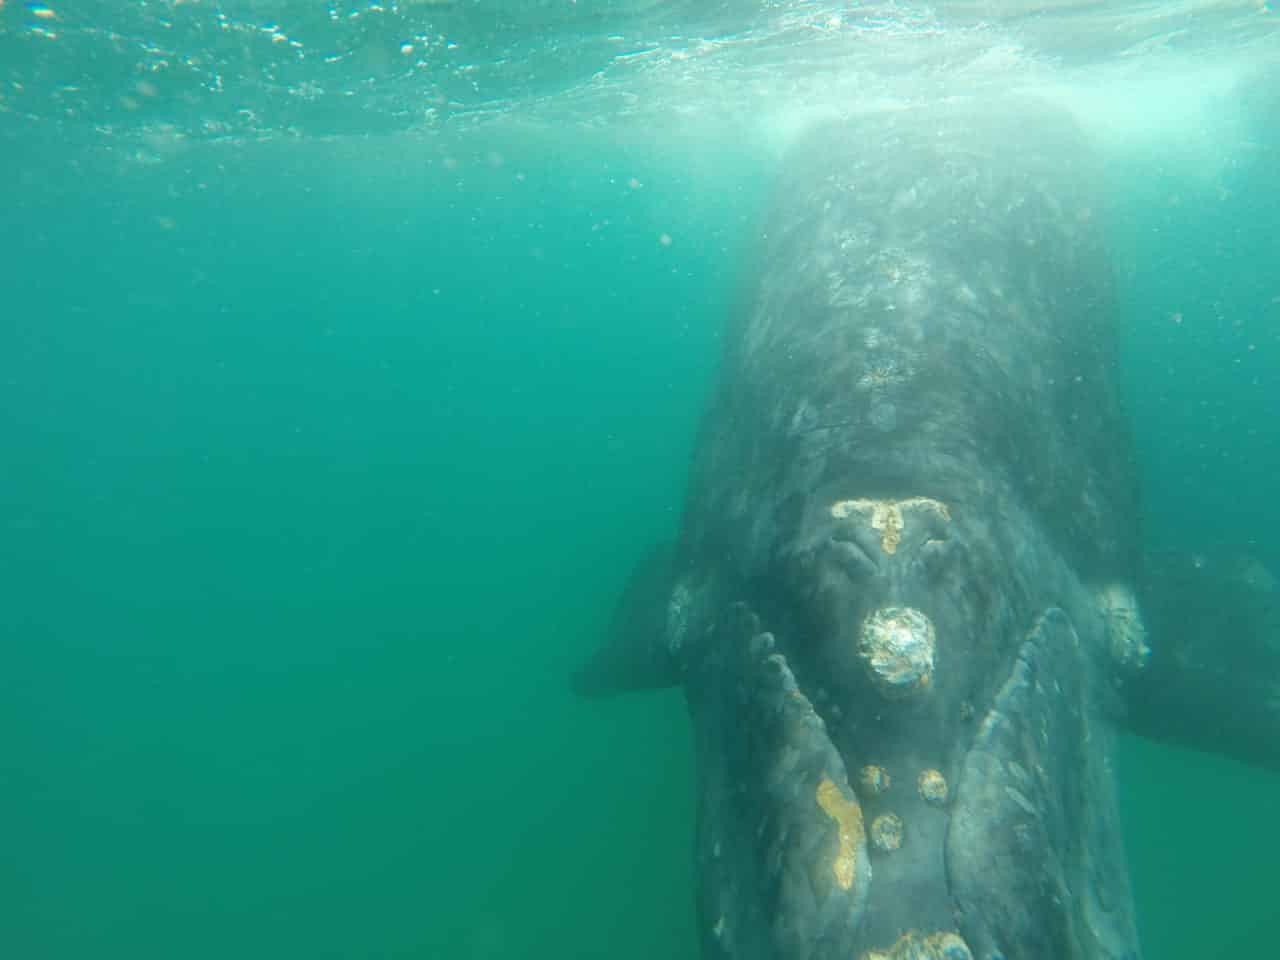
(874, 779)
(948, 946)
(886, 516)
(886, 832)
(933, 787)
(848, 817)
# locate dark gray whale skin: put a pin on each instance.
(903, 602)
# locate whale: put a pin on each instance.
(908, 603)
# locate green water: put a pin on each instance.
(322, 466)
(1201, 321)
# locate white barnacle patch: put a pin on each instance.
(897, 644)
(887, 831)
(883, 373)
(933, 787)
(913, 945)
(1126, 634)
(887, 369)
(950, 946)
(874, 780)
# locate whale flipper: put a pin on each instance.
(1020, 845)
(783, 867)
(641, 648)
(1212, 680)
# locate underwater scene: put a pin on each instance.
(354, 355)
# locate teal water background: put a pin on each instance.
(323, 465)
(1200, 322)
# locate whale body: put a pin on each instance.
(905, 604)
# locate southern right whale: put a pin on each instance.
(906, 603)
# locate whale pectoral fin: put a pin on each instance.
(781, 848)
(1212, 680)
(1034, 853)
(641, 649)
